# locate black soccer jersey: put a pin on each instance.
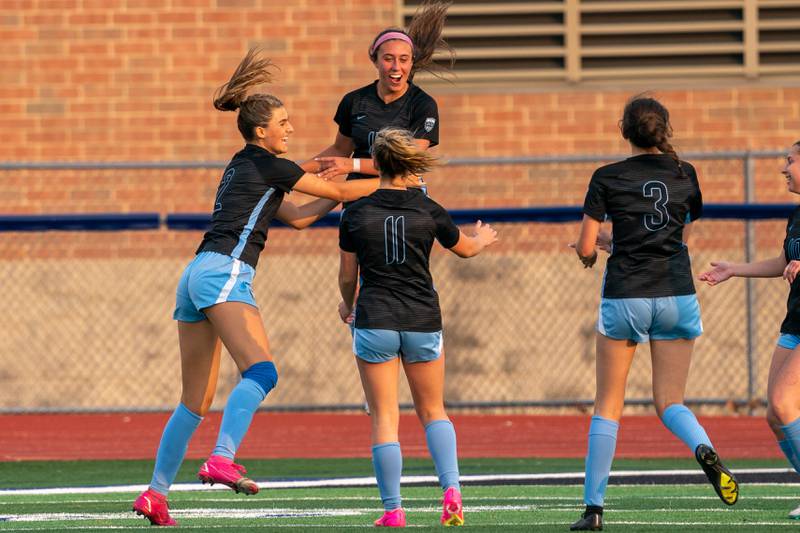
(648, 203)
(791, 249)
(362, 113)
(249, 194)
(392, 233)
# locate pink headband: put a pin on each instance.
(388, 37)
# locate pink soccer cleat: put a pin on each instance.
(222, 470)
(153, 506)
(393, 518)
(453, 512)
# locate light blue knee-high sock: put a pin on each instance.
(387, 460)
(242, 403)
(441, 438)
(788, 451)
(682, 422)
(172, 448)
(602, 443)
(245, 398)
(792, 433)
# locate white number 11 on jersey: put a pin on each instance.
(394, 239)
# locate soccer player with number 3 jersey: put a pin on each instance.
(215, 303)
(783, 394)
(648, 294)
(388, 236)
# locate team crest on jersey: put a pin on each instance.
(430, 122)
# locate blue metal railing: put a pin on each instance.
(196, 221)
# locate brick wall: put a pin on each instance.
(111, 80)
(132, 80)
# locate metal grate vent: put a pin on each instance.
(575, 40)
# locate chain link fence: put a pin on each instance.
(87, 317)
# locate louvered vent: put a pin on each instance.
(574, 40)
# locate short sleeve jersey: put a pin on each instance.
(392, 233)
(648, 202)
(791, 249)
(362, 113)
(249, 194)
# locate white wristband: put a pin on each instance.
(356, 165)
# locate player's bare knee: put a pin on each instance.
(428, 414)
(198, 406)
(774, 422)
(610, 409)
(785, 407)
(661, 405)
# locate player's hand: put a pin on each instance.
(485, 233)
(604, 240)
(331, 166)
(722, 271)
(588, 262)
(791, 270)
(346, 314)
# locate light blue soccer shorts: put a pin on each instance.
(212, 278)
(645, 319)
(788, 341)
(381, 345)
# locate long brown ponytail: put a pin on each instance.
(645, 123)
(254, 110)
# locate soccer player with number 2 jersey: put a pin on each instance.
(648, 295)
(215, 303)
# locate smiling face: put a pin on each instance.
(791, 169)
(394, 61)
(274, 136)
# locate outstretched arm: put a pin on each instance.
(302, 216)
(341, 192)
(342, 147)
(332, 164)
(768, 268)
(471, 245)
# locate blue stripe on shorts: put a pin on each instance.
(646, 319)
(788, 341)
(381, 345)
(212, 278)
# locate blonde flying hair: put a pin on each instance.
(255, 109)
(395, 154)
(425, 31)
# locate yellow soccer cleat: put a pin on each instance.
(722, 479)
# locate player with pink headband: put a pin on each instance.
(391, 100)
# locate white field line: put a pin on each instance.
(234, 514)
(370, 481)
(472, 498)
